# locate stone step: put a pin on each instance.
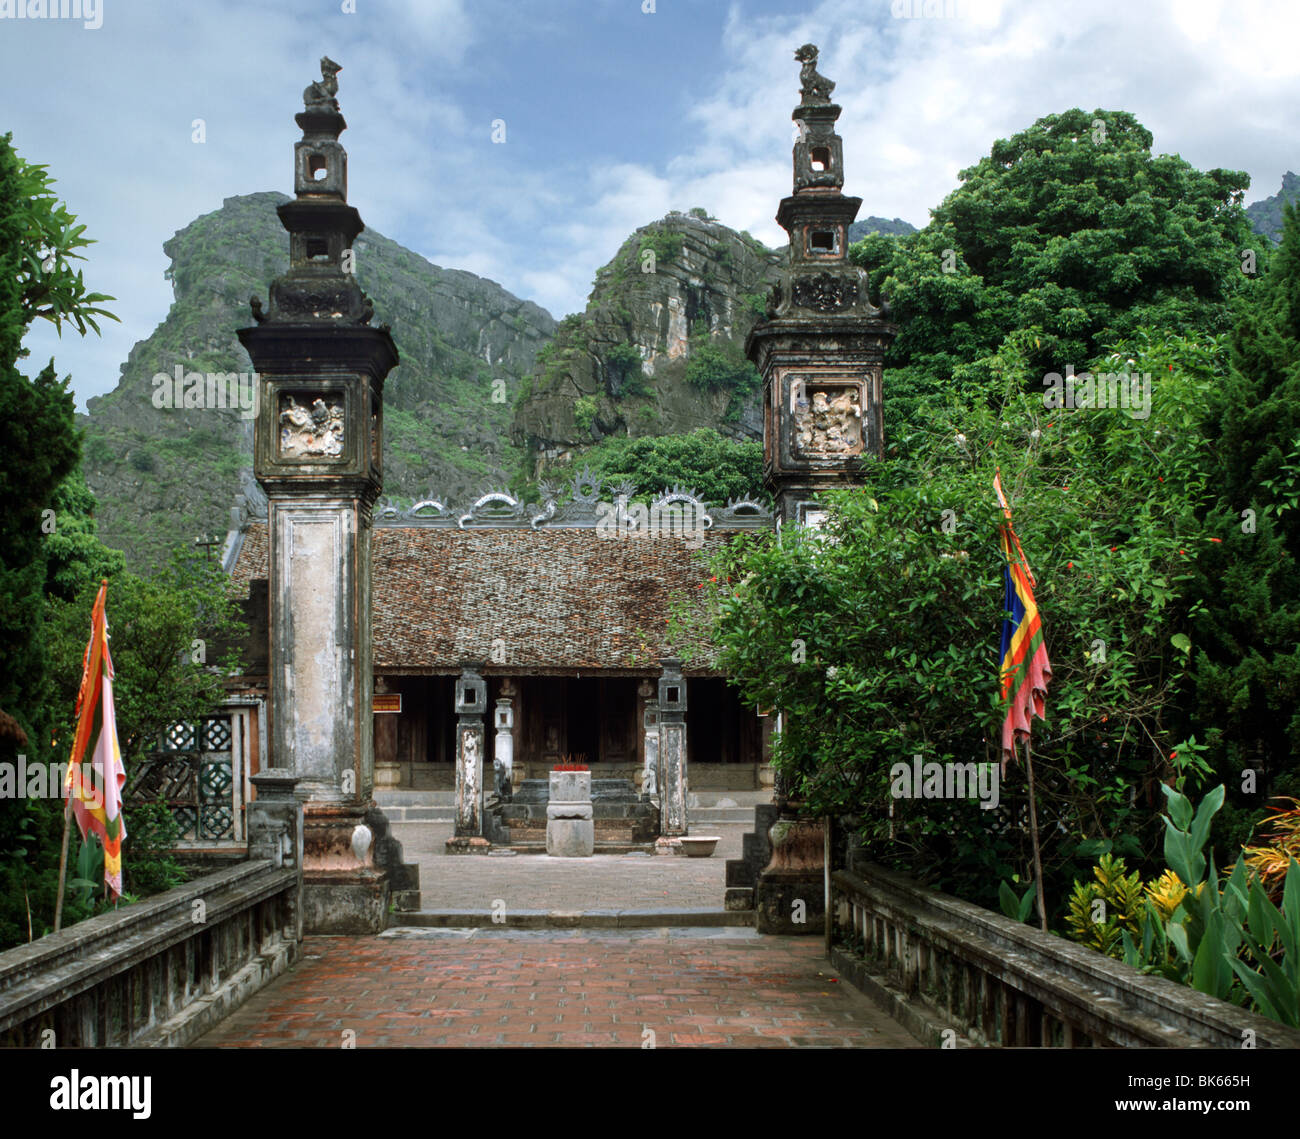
(536, 845)
(739, 899)
(392, 798)
(419, 814)
(747, 799)
(577, 919)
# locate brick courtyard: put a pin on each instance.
(514, 988)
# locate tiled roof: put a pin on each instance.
(560, 600)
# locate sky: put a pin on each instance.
(614, 112)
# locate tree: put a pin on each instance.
(49, 238)
(878, 640)
(37, 435)
(40, 449)
(1070, 235)
(716, 468)
(1246, 594)
(165, 634)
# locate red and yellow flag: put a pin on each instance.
(1025, 669)
(98, 806)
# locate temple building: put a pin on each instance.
(565, 612)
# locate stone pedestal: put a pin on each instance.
(570, 825)
(790, 894)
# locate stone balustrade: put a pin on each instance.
(942, 966)
(159, 972)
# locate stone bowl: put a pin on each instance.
(699, 845)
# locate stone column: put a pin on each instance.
(650, 780)
(471, 703)
(672, 753)
(318, 454)
(503, 754)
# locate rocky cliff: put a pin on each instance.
(1266, 215)
(164, 475)
(682, 289)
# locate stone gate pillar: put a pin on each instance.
(471, 703)
(317, 452)
(672, 752)
(821, 347)
(503, 752)
(650, 778)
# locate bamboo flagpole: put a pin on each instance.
(1033, 836)
(63, 860)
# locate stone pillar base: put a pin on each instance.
(468, 844)
(789, 897)
(781, 898)
(666, 845)
(387, 776)
(345, 901)
(331, 840)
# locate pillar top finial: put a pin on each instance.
(814, 88)
(320, 95)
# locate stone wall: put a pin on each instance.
(160, 972)
(954, 973)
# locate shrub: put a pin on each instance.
(148, 865)
(584, 411)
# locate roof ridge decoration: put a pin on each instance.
(581, 502)
(680, 496)
(496, 506)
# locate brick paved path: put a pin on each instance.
(512, 988)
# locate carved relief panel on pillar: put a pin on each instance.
(319, 428)
(821, 418)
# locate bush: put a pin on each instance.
(623, 363)
(584, 411)
(148, 866)
(721, 367)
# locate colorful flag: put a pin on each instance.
(1025, 669)
(98, 806)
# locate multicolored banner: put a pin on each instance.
(98, 806)
(1025, 670)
